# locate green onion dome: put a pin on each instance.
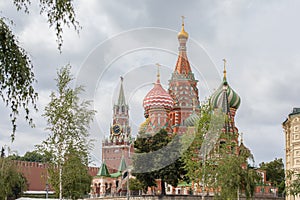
(234, 99)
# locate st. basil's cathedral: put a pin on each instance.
(175, 110)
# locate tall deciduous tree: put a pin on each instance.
(165, 164)
(75, 176)
(68, 120)
(12, 182)
(275, 173)
(215, 165)
(16, 77)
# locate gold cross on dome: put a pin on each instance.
(224, 60)
(224, 72)
(182, 18)
(158, 74)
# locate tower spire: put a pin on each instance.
(158, 73)
(121, 99)
(224, 71)
(182, 65)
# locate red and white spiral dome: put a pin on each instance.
(158, 97)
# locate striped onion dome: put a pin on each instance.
(234, 100)
(191, 120)
(157, 97)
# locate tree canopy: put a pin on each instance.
(275, 173)
(76, 180)
(16, 77)
(31, 156)
(12, 182)
(164, 164)
(16, 71)
(68, 119)
(215, 165)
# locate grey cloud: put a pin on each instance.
(259, 40)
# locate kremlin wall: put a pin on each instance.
(36, 175)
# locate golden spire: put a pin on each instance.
(158, 74)
(224, 71)
(183, 33)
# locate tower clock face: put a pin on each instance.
(116, 129)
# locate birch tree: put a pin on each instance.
(68, 118)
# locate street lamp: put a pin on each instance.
(47, 189)
(203, 175)
(128, 173)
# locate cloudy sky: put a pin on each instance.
(259, 39)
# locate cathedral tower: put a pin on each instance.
(226, 100)
(182, 87)
(157, 105)
(119, 142)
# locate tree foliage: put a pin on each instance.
(68, 120)
(16, 70)
(219, 166)
(59, 13)
(164, 164)
(293, 183)
(232, 178)
(16, 77)
(76, 180)
(191, 157)
(12, 182)
(31, 156)
(275, 173)
(135, 184)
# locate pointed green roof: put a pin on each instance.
(103, 171)
(123, 165)
(121, 99)
(116, 175)
(184, 184)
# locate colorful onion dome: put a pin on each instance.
(191, 120)
(234, 99)
(158, 97)
(182, 33)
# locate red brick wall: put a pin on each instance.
(36, 174)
